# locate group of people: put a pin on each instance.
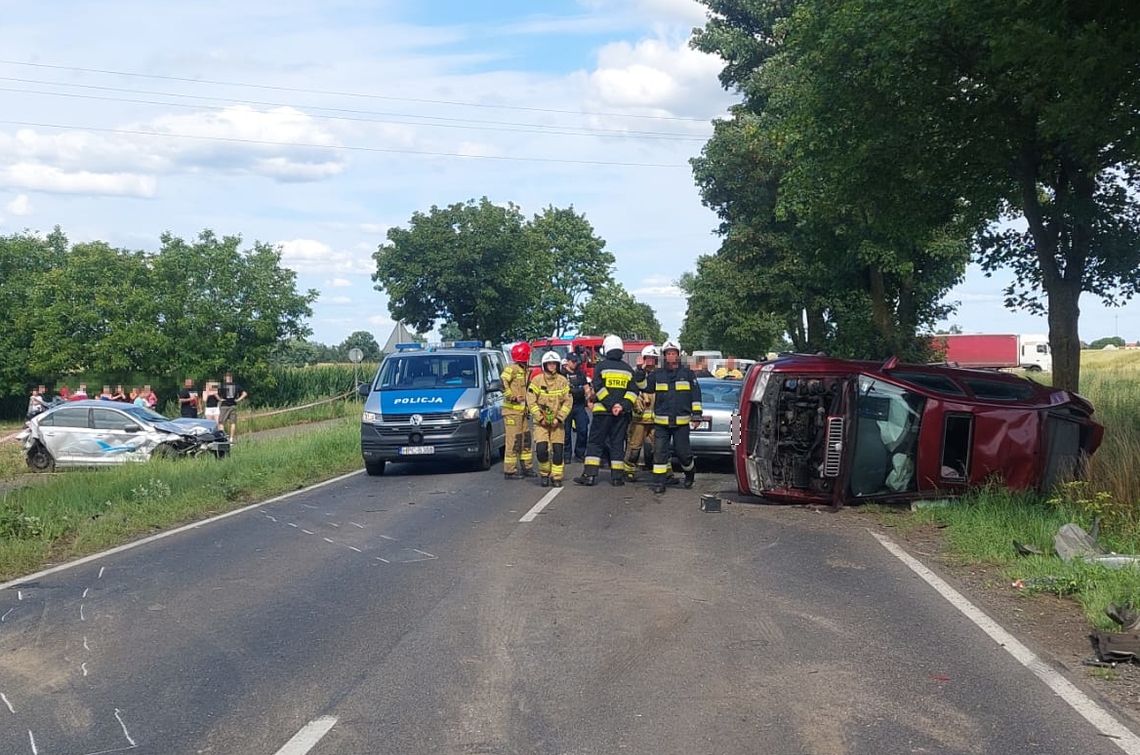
(41, 399)
(619, 413)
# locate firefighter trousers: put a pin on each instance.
(549, 450)
(640, 436)
(678, 437)
(607, 433)
(517, 441)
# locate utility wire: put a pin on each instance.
(458, 123)
(362, 95)
(346, 147)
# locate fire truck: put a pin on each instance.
(588, 347)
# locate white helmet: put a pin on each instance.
(650, 351)
(612, 343)
(671, 345)
(551, 356)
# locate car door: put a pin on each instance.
(112, 436)
(69, 436)
(493, 400)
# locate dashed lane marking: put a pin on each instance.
(307, 738)
(542, 503)
(1103, 721)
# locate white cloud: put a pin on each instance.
(373, 228)
(41, 177)
(658, 286)
(339, 283)
(20, 206)
(666, 77)
(381, 320)
(312, 256)
(973, 297)
(338, 299)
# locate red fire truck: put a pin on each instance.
(588, 347)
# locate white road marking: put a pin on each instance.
(82, 616)
(354, 524)
(32, 741)
(9, 704)
(542, 503)
(85, 591)
(292, 524)
(307, 532)
(389, 537)
(85, 645)
(383, 559)
(5, 616)
(334, 524)
(271, 518)
(169, 533)
(19, 594)
(127, 734)
(83, 668)
(327, 540)
(1103, 721)
(353, 547)
(308, 506)
(101, 569)
(424, 553)
(307, 738)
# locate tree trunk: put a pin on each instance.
(1064, 336)
(815, 330)
(880, 309)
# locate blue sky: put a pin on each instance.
(614, 66)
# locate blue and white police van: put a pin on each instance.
(434, 403)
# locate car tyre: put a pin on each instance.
(484, 461)
(164, 451)
(40, 459)
(375, 468)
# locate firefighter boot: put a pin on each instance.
(690, 477)
(617, 477)
(544, 481)
(586, 478)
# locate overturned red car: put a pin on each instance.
(813, 429)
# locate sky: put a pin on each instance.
(319, 124)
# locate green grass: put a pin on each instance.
(85, 511)
(256, 421)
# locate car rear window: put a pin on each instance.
(999, 390)
(74, 416)
(936, 383)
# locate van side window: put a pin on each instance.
(957, 437)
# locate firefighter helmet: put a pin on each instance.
(650, 351)
(551, 356)
(671, 345)
(612, 343)
(520, 352)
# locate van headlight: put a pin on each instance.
(470, 413)
(370, 417)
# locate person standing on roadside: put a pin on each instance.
(230, 394)
(518, 460)
(578, 423)
(548, 397)
(151, 397)
(188, 400)
(641, 424)
(119, 394)
(138, 398)
(211, 400)
(37, 404)
(614, 394)
(80, 393)
(677, 403)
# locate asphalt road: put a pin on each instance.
(420, 613)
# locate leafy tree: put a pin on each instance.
(577, 263)
(449, 331)
(24, 259)
(363, 340)
(614, 310)
(724, 312)
(1024, 116)
(1100, 343)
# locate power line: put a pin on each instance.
(455, 123)
(361, 95)
(346, 147)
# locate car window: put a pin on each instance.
(721, 391)
(427, 371)
(74, 416)
(999, 390)
(937, 383)
(109, 419)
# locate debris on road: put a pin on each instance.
(1025, 549)
(1118, 647)
(710, 503)
(932, 503)
(1071, 541)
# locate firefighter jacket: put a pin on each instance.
(578, 382)
(548, 398)
(677, 395)
(643, 407)
(613, 384)
(514, 379)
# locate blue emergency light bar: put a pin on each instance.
(467, 345)
(409, 347)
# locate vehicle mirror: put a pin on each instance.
(364, 389)
(131, 427)
(495, 385)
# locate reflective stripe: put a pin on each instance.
(697, 408)
(599, 409)
(593, 461)
(617, 465)
(683, 419)
(602, 393)
(660, 420)
(662, 387)
(616, 378)
(660, 468)
(682, 385)
(642, 384)
(631, 395)
(512, 405)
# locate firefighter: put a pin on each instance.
(641, 424)
(549, 401)
(614, 396)
(677, 403)
(518, 460)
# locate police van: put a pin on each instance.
(434, 403)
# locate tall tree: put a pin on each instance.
(612, 309)
(24, 259)
(577, 260)
(363, 340)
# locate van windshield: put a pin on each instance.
(886, 438)
(405, 373)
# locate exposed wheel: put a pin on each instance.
(484, 462)
(40, 459)
(164, 451)
(1033, 368)
(375, 468)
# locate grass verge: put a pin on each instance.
(252, 423)
(85, 511)
(981, 529)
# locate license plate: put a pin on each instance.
(417, 450)
(704, 424)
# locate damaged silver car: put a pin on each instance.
(95, 433)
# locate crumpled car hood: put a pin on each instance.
(188, 426)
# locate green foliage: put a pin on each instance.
(449, 331)
(488, 273)
(612, 309)
(725, 312)
(363, 340)
(1100, 343)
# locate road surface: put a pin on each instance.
(416, 613)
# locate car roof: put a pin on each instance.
(93, 402)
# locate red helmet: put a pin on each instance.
(520, 352)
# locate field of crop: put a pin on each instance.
(1111, 380)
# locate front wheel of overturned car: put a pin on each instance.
(374, 468)
(40, 459)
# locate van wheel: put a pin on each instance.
(1033, 368)
(40, 459)
(375, 468)
(484, 462)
